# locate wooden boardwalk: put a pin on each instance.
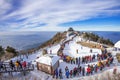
(7, 69)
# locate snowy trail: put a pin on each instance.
(70, 50)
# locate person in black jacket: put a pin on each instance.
(12, 65)
(60, 74)
(1, 65)
(83, 71)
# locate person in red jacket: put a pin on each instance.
(24, 64)
(88, 70)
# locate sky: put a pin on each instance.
(59, 15)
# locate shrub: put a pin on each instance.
(44, 52)
(118, 57)
(96, 38)
(1, 51)
(11, 50)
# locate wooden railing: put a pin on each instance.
(8, 69)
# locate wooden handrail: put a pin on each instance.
(7, 68)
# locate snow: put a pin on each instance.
(77, 38)
(48, 59)
(70, 50)
(117, 44)
(72, 46)
(53, 49)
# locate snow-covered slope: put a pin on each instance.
(53, 49)
(70, 49)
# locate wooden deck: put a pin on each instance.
(7, 69)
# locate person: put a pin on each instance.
(93, 57)
(101, 66)
(96, 68)
(80, 69)
(111, 60)
(78, 64)
(75, 71)
(115, 70)
(1, 65)
(81, 47)
(71, 73)
(98, 64)
(92, 69)
(71, 60)
(76, 60)
(83, 71)
(108, 62)
(66, 68)
(90, 50)
(60, 74)
(88, 70)
(50, 51)
(29, 63)
(77, 51)
(17, 64)
(83, 60)
(24, 64)
(56, 73)
(20, 65)
(53, 73)
(79, 60)
(67, 74)
(12, 65)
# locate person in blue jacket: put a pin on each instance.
(67, 74)
(56, 73)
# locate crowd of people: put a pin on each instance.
(87, 59)
(16, 65)
(103, 60)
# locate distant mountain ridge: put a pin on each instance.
(61, 36)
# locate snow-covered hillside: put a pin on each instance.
(71, 49)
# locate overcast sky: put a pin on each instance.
(59, 15)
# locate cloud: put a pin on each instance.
(4, 7)
(52, 13)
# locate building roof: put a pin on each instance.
(117, 44)
(48, 59)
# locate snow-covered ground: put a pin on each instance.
(53, 49)
(72, 47)
(70, 50)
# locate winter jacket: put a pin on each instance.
(67, 73)
(71, 72)
(88, 69)
(24, 64)
(16, 64)
(98, 64)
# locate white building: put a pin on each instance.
(117, 46)
(48, 63)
